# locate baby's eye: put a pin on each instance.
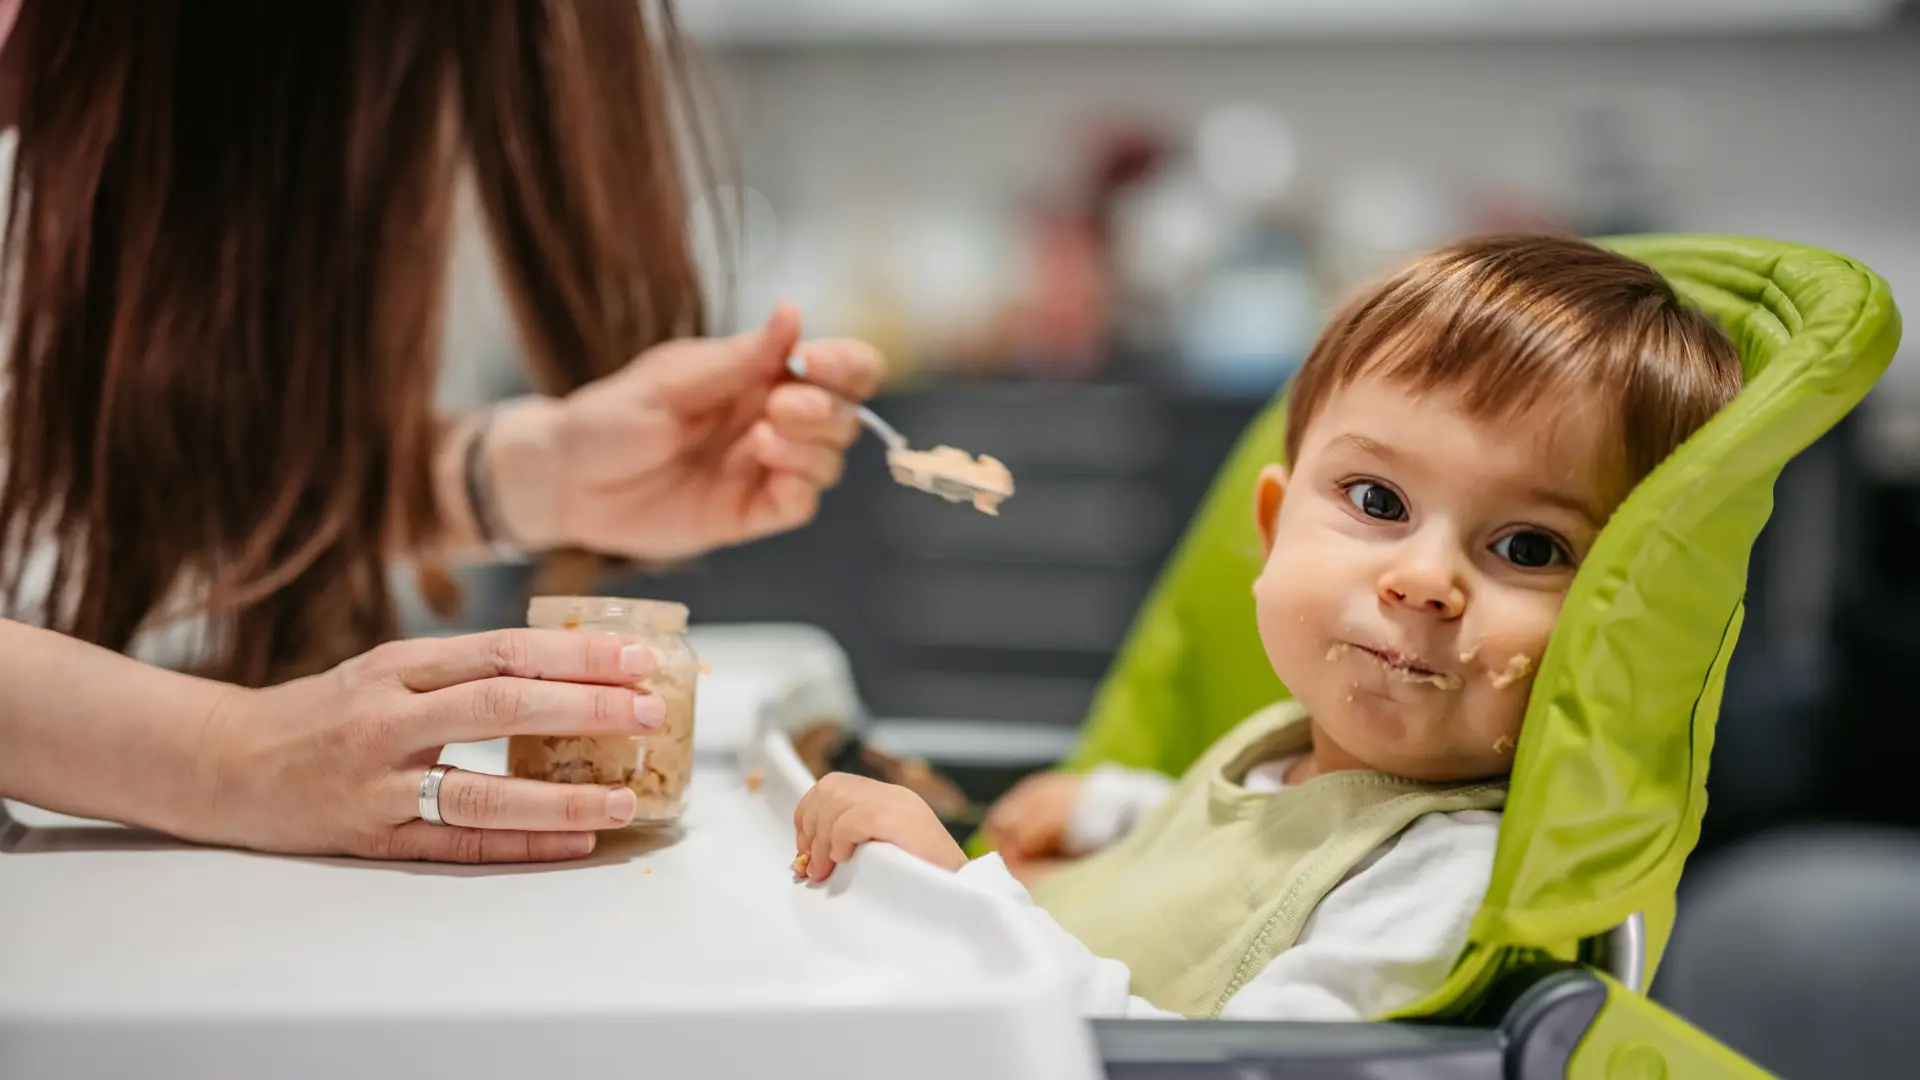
(1531, 550)
(1376, 500)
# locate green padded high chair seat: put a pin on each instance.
(1608, 784)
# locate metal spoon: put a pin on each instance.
(950, 488)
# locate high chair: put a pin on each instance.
(1609, 777)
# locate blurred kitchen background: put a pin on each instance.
(1095, 237)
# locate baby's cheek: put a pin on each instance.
(1499, 659)
(1505, 638)
(1290, 628)
(1269, 607)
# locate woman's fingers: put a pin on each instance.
(418, 840)
(481, 801)
(806, 413)
(783, 501)
(428, 664)
(848, 367)
(816, 464)
(491, 708)
(698, 375)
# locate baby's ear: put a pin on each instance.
(1267, 496)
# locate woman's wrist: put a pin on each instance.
(86, 732)
(495, 479)
(515, 479)
(521, 456)
(194, 805)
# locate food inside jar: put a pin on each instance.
(656, 766)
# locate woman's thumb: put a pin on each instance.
(706, 373)
(770, 345)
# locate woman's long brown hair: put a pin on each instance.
(227, 248)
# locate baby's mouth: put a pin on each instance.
(1409, 668)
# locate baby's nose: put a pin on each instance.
(1424, 587)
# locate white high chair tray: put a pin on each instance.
(129, 954)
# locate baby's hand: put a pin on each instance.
(1030, 822)
(842, 812)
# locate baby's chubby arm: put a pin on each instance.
(841, 812)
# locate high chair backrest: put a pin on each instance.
(1609, 778)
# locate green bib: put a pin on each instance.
(1218, 880)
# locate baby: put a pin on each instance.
(1456, 440)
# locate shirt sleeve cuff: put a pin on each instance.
(1112, 800)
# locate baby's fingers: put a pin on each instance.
(819, 856)
(802, 832)
(1005, 817)
(847, 835)
(1009, 834)
(814, 842)
(1035, 839)
(1001, 819)
(855, 826)
(807, 815)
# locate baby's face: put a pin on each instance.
(1417, 560)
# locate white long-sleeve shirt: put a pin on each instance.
(1385, 937)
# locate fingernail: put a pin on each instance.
(649, 710)
(621, 805)
(636, 660)
(577, 844)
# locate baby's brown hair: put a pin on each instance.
(1506, 322)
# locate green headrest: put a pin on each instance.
(1609, 778)
(1609, 781)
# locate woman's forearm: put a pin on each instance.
(517, 475)
(88, 732)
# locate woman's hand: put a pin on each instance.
(1030, 822)
(841, 812)
(697, 444)
(331, 765)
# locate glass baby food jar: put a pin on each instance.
(656, 765)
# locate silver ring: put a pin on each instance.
(430, 794)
